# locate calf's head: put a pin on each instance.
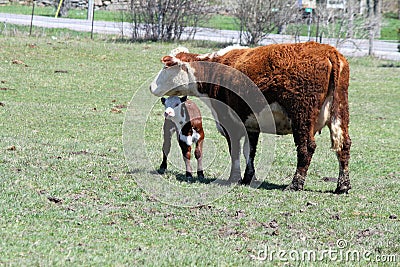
(176, 78)
(175, 108)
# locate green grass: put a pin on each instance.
(20, 30)
(390, 29)
(222, 22)
(68, 199)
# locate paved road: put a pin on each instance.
(355, 47)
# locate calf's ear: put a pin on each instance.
(163, 100)
(183, 107)
(183, 98)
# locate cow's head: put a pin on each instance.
(175, 108)
(176, 77)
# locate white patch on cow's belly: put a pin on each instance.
(273, 121)
(324, 114)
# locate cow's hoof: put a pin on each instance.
(161, 170)
(235, 180)
(343, 189)
(244, 182)
(297, 183)
(294, 187)
(247, 180)
(225, 182)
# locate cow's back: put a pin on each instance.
(288, 71)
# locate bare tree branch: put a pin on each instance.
(166, 19)
(258, 18)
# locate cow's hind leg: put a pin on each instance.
(249, 151)
(306, 145)
(341, 143)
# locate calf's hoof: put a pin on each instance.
(161, 170)
(189, 177)
(343, 189)
(200, 175)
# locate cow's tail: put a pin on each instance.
(338, 85)
(334, 76)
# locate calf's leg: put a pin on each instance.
(168, 129)
(186, 151)
(198, 153)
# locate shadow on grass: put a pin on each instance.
(320, 191)
(182, 178)
(271, 186)
(265, 185)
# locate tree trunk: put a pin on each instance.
(378, 17)
(398, 8)
(363, 7)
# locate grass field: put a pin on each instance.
(68, 197)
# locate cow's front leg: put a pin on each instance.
(230, 131)
(305, 149)
(235, 173)
(249, 151)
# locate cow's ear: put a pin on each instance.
(169, 61)
(163, 100)
(183, 98)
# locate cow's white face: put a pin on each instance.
(176, 78)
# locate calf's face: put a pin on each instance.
(174, 108)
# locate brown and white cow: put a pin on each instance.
(183, 117)
(305, 86)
